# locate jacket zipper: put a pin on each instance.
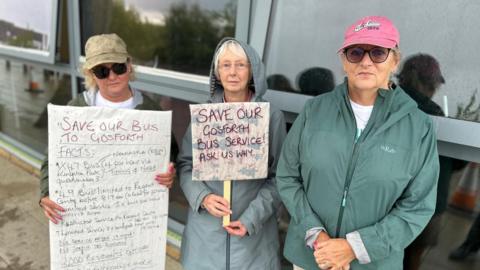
(353, 161)
(348, 180)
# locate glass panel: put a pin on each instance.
(456, 222)
(25, 92)
(62, 50)
(302, 57)
(27, 24)
(175, 35)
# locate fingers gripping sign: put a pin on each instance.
(52, 210)
(216, 205)
(168, 177)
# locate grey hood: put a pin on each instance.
(254, 202)
(257, 68)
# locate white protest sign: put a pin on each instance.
(230, 141)
(102, 165)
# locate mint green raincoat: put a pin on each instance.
(382, 184)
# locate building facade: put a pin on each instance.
(172, 44)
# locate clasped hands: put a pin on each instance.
(217, 206)
(332, 253)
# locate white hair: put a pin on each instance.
(232, 46)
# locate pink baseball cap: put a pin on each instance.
(372, 30)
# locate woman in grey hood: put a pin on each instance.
(251, 240)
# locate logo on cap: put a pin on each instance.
(369, 25)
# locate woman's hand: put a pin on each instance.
(334, 254)
(167, 178)
(236, 228)
(216, 205)
(322, 237)
(51, 209)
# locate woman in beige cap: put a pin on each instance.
(108, 70)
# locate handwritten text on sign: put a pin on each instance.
(230, 140)
(102, 164)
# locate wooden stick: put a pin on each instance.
(227, 190)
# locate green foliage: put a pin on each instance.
(185, 42)
(142, 38)
(25, 40)
(190, 39)
(191, 35)
(228, 17)
(469, 112)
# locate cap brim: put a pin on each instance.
(105, 58)
(385, 43)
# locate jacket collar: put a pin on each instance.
(90, 97)
(391, 105)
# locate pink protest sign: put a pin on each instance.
(230, 141)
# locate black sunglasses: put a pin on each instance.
(376, 54)
(102, 72)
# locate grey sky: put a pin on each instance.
(34, 14)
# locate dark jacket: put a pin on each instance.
(447, 165)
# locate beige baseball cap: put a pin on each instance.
(106, 48)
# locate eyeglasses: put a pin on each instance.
(238, 66)
(102, 72)
(376, 54)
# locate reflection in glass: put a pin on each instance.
(315, 81)
(25, 92)
(26, 23)
(445, 32)
(279, 82)
(175, 35)
(420, 77)
(470, 245)
(449, 85)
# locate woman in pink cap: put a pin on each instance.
(359, 168)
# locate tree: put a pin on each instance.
(185, 43)
(24, 39)
(191, 35)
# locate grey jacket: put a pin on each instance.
(254, 202)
